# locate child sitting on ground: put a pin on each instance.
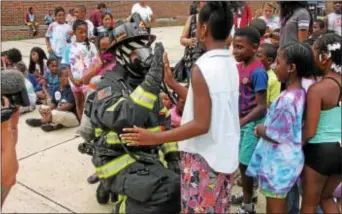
(12, 57)
(36, 71)
(61, 113)
(29, 88)
(267, 55)
(51, 84)
(37, 66)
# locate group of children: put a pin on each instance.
(285, 136)
(74, 57)
(295, 135)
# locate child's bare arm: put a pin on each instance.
(313, 109)
(259, 111)
(65, 107)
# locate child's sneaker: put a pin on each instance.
(34, 122)
(26, 109)
(77, 133)
(51, 127)
(238, 199)
(243, 210)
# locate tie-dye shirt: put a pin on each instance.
(278, 166)
(273, 22)
(79, 57)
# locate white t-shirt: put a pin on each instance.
(58, 35)
(334, 22)
(144, 12)
(306, 83)
(30, 92)
(232, 32)
(219, 147)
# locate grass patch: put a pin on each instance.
(16, 38)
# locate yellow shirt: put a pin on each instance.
(273, 88)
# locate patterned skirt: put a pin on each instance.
(202, 189)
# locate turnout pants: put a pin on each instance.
(144, 188)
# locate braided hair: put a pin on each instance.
(78, 23)
(301, 55)
(219, 17)
(330, 44)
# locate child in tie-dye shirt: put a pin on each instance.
(79, 55)
(278, 159)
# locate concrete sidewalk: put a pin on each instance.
(52, 174)
(168, 35)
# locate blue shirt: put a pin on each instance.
(253, 79)
(34, 83)
(64, 96)
(52, 82)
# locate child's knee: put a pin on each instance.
(325, 199)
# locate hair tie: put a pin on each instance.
(336, 68)
(334, 47)
(327, 55)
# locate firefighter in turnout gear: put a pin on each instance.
(126, 97)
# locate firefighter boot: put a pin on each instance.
(113, 197)
(102, 195)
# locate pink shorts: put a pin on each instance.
(83, 89)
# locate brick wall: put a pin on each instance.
(120, 9)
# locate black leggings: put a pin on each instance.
(325, 158)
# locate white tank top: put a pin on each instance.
(219, 147)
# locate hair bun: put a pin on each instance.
(220, 6)
(215, 5)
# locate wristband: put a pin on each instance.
(6, 114)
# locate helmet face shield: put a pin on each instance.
(144, 55)
(129, 33)
(131, 45)
(140, 62)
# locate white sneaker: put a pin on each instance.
(77, 133)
